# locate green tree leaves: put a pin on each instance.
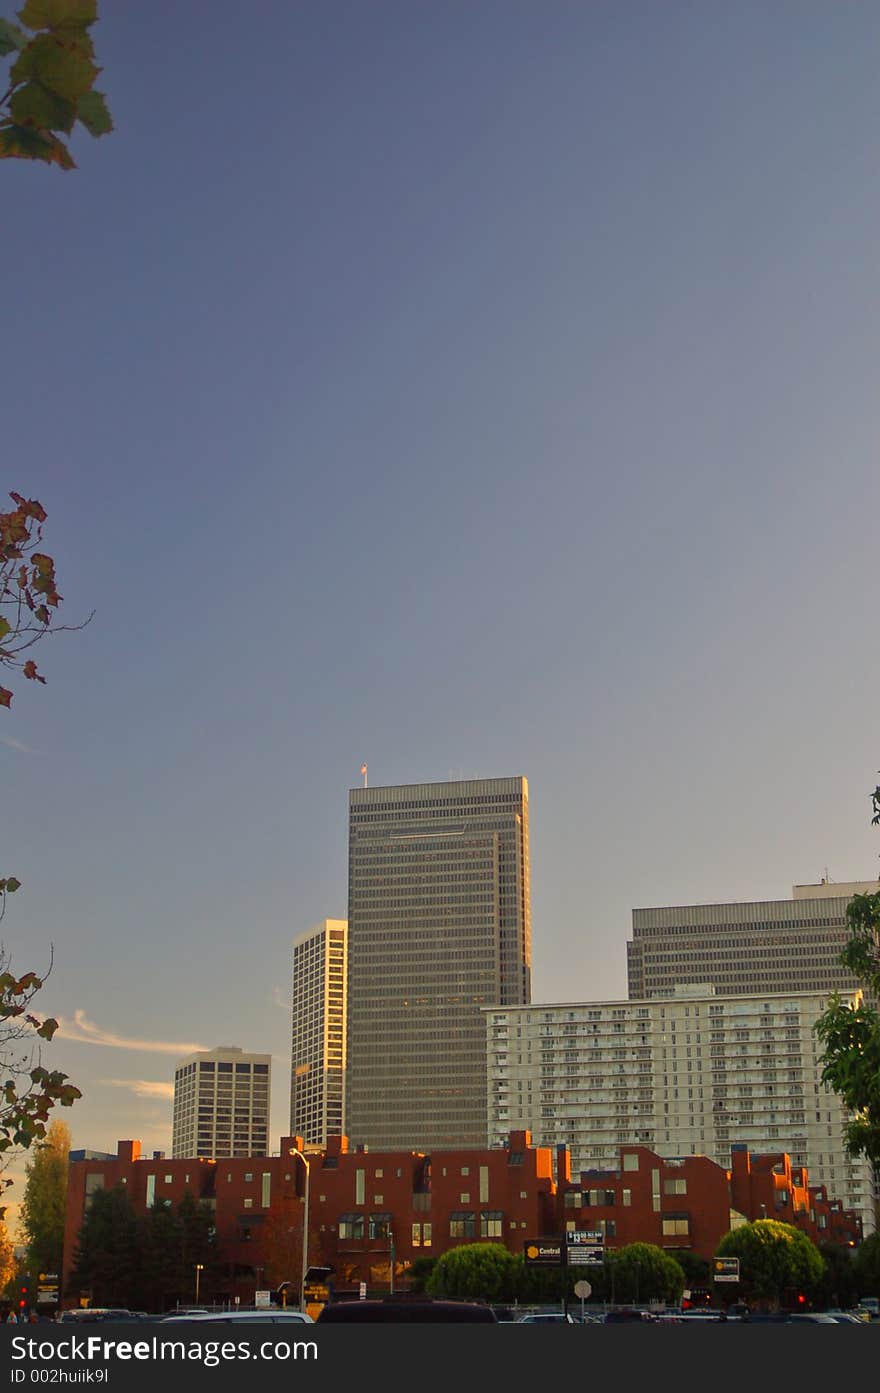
(51, 81)
(480, 1270)
(776, 1260)
(44, 1203)
(850, 1034)
(644, 1272)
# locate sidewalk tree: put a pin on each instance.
(44, 1201)
(108, 1249)
(50, 86)
(866, 1265)
(776, 1261)
(481, 1270)
(644, 1273)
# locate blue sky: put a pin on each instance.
(469, 388)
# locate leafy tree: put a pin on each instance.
(643, 1272)
(198, 1243)
(51, 82)
(8, 1265)
(866, 1265)
(776, 1261)
(44, 1201)
(419, 1272)
(850, 1034)
(29, 600)
(108, 1251)
(695, 1269)
(838, 1285)
(29, 1091)
(476, 1270)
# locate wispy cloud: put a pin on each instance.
(87, 1033)
(143, 1088)
(279, 999)
(14, 744)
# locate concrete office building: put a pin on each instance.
(221, 1104)
(318, 1035)
(691, 1074)
(766, 946)
(438, 927)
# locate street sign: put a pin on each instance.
(262, 1300)
(583, 1290)
(725, 1269)
(362, 1291)
(47, 1288)
(594, 1256)
(576, 1237)
(544, 1251)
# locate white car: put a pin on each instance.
(548, 1318)
(257, 1316)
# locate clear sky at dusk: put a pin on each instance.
(470, 387)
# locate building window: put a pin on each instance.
(351, 1226)
(462, 1224)
(678, 1186)
(675, 1225)
(151, 1191)
(491, 1223)
(380, 1226)
(630, 1161)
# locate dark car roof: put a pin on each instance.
(416, 1312)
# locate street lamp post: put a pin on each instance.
(294, 1151)
(200, 1267)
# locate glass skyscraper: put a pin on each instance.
(438, 928)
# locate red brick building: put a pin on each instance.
(369, 1209)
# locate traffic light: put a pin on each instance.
(802, 1300)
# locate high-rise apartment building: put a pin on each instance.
(438, 927)
(691, 1074)
(318, 1037)
(221, 1104)
(767, 946)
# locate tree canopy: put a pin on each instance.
(476, 1270)
(850, 1032)
(146, 1261)
(776, 1261)
(44, 1203)
(643, 1272)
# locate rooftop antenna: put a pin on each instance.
(364, 772)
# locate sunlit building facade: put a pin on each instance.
(318, 1032)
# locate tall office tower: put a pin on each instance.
(221, 1104)
(317, 1057)
(769, 946)
(438, 927)
(693, 1073)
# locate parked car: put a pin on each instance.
(627, 1315)
(420, 1310)
(88, 1314)
(256, 1316)
(548, 1318)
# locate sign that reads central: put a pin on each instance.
(544, 1250)
(725, 1269)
